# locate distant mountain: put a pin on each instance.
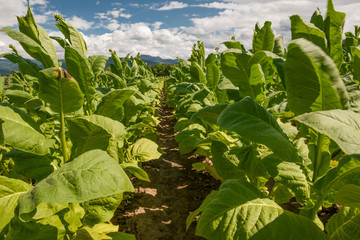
(7, 67)
(153, 60)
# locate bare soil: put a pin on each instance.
(158, 209)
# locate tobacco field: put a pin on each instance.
(260, 143)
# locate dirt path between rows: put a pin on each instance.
(158, 209)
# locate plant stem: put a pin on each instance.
(62, 128)
(318, 156)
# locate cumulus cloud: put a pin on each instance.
(80, 23)
(233, 17)
(173, 5)
(9, 10)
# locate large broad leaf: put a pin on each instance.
(101, 209)
(238, 212)
(348, 195)
(17, 97)
(212, 75)
(197, 73)
(44, 229)
(20, 131)
(33, 48)
(312, 80)
(72, 34)
(290, 175)
(94, 132)
(253, 122)
(112, 102)
(28, 26)
(108, 77)
(279, 46)
(235, 66)
(145, 150)
(341, 126)
(79, 68)
(334, 25)
(264, 39)
(303, 29)
(31, 165)
(210, 113)
(26, 66)
(98, 63)
(346, 172)
(92, 175)
(344, 225)
(60, 90)
(10, 190)
(237, 163)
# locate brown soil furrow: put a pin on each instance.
(158, 209)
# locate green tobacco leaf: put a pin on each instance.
(60, 91)
(234, 44)
(44, 229)
(279, 46)
(72, 34)
(210, 113)
(26, 66)
(97, 63)
(101, 209)
(121, 236)
(33, 48)
(17, 97)
(113, 101)
(133, 168)
(79, 68)
(348, 195)
(203, 205)
(237, 211)
(20, 131)
(344, 225)
(346, 172)
(342, 126)
(197, 74)
(10, 190)
(334, 25)
(236, 163)
(317, 19)
(145, 150)
(117, 81)
(264, 39)
(303, 29)
(312, 80)
(212, 75)
(92, 175)
(290, 175)
(31, 165)
(28, 26)
(253, 122)
(235, 66)
(94, 132)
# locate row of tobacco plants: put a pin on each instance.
(280, 125)
(71, 138)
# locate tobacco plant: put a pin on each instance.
(292, 137)
(66, 148)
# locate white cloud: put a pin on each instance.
(80, 23)
(173, 5)
(39, 2)
(97, 3)
(144, 38)
(114, 13)
(9, 10)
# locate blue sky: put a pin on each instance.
(166, 28)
